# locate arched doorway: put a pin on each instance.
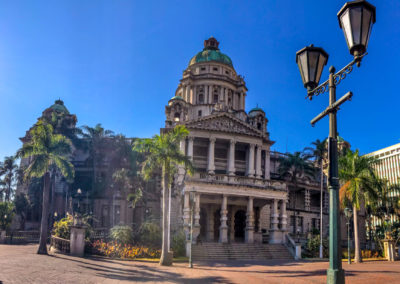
(203, 224)
(217, 224)
(240, 225)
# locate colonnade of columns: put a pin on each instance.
(253, 158)
(238, 98)
(277, 217)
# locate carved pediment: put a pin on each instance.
(224, 123)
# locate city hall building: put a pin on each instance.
(239, 197)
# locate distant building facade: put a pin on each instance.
(388, 168)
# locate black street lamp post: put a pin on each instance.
(348, 213)
(356, 19)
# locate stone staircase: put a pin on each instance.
(240, 251)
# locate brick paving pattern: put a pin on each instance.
(21, 264)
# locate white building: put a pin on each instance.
(388, 168)
(237, 200)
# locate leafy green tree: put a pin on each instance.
(162, 151)
(6, 214)
(47, 151)
(9, 169)
(21, 204)
(294, 167)
(97, 141)
(356, 174)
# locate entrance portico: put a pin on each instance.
(233, 214)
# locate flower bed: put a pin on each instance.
(115, 250)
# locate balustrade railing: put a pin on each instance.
(238, 180)
(293, 247)
(62, 245)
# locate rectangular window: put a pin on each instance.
(199, 113)
(215, 69)
(215, 99)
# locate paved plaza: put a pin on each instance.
(20, 264)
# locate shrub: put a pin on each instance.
(150, 235)
(178, 243)
(122, 234)
(116, 250)
(6, 215)
(62, 228)
(312, 247)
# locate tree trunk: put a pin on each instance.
(357, 250)
(45, 215)
(165, 257)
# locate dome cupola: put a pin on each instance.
(211, 52)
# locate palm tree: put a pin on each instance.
(46, 151)
(356, 173)
(293, 167)
(9, 170)
(162, 151)
(96, 139)
(319, 153)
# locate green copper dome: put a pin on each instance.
(256, 109)
(176, 98)
(59, 107)
(211, 52)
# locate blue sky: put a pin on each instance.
(118, 63)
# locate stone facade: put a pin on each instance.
(235, 197)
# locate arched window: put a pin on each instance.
(177, 116)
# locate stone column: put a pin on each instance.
(181, 168)
(231, 158)
(275, 215)
(210, 224)
(190, 147)
(307, 201)
(187, 93)
(283, 215)
(77, 240)
(267, 173)
(191, 95)
(186, 214)
(211, 166)
(326, 201)
(249, 236)
(206, 96)
(196, 223)
(258, 162)
(232, 224)
(250, 166)
(223, 229)
(275, 236)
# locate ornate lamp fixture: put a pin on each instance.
(311, 61)
(356, 19)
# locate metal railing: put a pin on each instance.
(21, 237)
